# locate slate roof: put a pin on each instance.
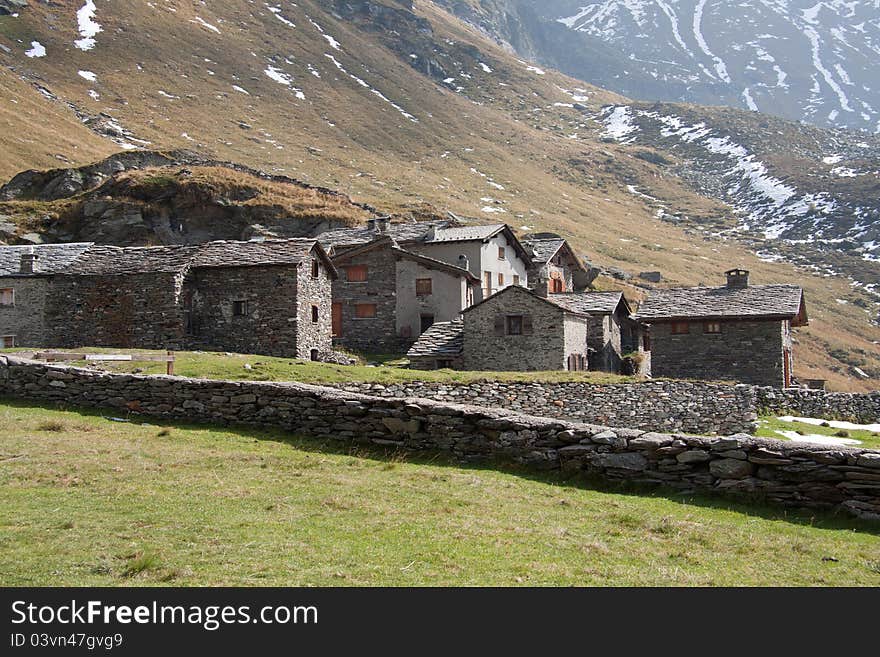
(543, 249)
(590, 303)
(754, 301)
(407, 232)
(102, 260)
(105, 260)
(51, 258)
(246, 254)
(442, 340)
(465, 233)
(425, 232)
(384, 242)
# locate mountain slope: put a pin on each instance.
(406, 108)
(800, 59)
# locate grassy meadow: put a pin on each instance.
(90, 501)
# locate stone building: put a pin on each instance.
(555, 267)
(738, 332)
(492, 253)
(386, 297)
(517, 330)
(26, 273)
(270, 297)
(612, 331)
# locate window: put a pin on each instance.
(314, 314)
(514, 324)
(7, 297)
(424, 287)
(316, 269)
(7, 342)
(314, 355)
(487, 283)
(500, 280)
(681, 328)
(515, 279)
(241, 308)
(356, 273)
(365, 310)
(711, 327)
(502, 254)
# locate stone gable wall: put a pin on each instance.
(318, 292)
(543, 350)
(782, 473)
(378, 333)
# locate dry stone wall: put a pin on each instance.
(783, 473)
(863, 408)
(675, 406)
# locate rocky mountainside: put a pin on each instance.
(406, 108)
(799, 59)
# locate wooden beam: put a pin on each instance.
(135, 358)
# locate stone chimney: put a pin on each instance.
(28, 262)
(382, 224)
(737, 278)
(463, 262)
(371, 225)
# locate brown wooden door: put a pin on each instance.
(336, 330)
(786, 367)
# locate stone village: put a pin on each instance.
(449, 294)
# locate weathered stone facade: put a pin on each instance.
(268, 297)
(788, 474)
(130, 311)
(549, 335)
(744, 351)
(738, 332)
(385, 278)
(378, 332)
(24, 319)
(279, 317)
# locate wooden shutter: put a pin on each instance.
(499, 325)
(527, 327)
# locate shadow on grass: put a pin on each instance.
(818, 519)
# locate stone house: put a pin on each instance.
(26, 273)
(385, 297)
(612, 331)
(492, 253)
(270, 297)
(738, 332)
(517, 330)
(555, 267)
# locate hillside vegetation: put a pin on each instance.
(400, 106)
(94, 502)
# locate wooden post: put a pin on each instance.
(169, 369)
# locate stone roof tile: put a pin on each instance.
(51, 258)
(442, 340)
(758, 301)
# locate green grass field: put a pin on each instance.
(768, 427)
(89, 501)
(227, 366)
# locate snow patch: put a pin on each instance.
(37, 50)
(88, 75)
(88, 27)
